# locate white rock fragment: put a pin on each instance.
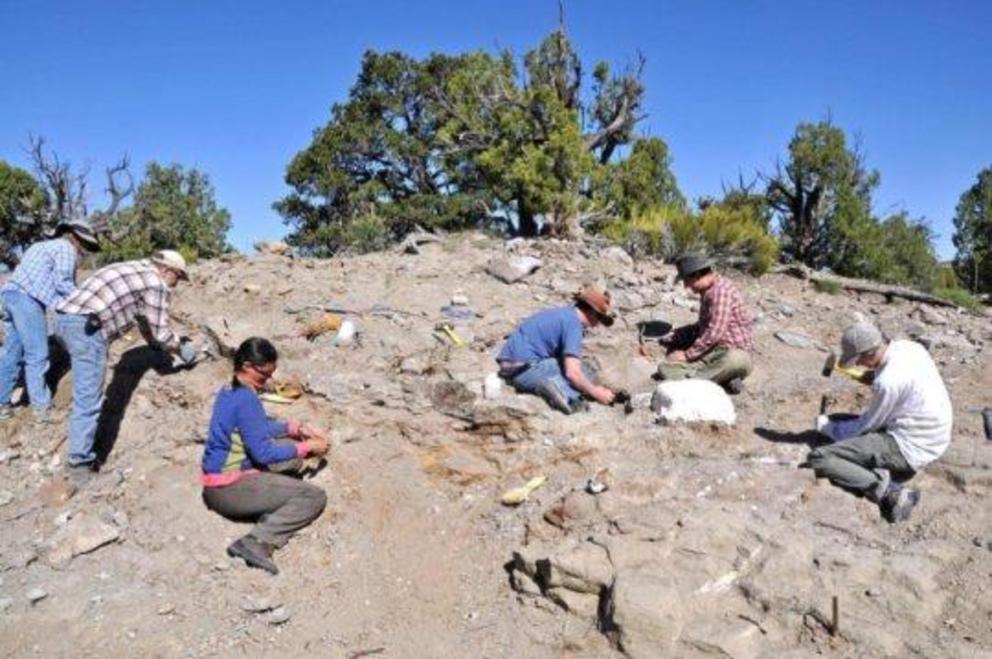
(692, 401)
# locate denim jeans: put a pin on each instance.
(548, 369)
(26, 341)
(88, 353)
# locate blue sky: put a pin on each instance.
(237, 88)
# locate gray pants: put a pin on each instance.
(280, 505)
(861, 465)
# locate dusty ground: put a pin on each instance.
(709, 541)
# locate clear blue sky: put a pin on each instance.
(236, 88)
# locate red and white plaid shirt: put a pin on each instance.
(118, 294)
(722, 321)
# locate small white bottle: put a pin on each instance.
(492, 387)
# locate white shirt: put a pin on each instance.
(910, 403)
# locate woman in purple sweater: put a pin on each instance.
(241, 456)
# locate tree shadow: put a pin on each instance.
(130, 368)
(810, 438)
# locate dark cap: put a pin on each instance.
(690, 264)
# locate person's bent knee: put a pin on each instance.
(316, 501)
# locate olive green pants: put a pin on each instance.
(721, 365)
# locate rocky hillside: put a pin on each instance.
(708, 541)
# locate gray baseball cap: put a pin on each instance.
(859, 338)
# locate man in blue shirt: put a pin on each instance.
(543, 356)
(45, 276)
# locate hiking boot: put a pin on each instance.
(554, 396)
(254, 552)
(6, 412)
(898, 503)
(735, 386)
(43, 417)
(79, 476)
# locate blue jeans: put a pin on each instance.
(88, 354)
(27, 341)
(537, 373)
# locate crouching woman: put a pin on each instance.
(243, 455)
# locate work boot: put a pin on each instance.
(554, 396)
(578, 405)
(735, 386)
(254, 552)
(898, 503)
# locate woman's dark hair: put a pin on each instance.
(255, 350)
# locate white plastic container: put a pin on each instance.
(346, 333)
(492, 387)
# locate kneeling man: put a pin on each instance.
(543, 356)
(906, 426)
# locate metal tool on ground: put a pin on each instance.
(449, 331)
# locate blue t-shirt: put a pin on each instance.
(549, 333)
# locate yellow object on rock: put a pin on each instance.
(275, 398)
(518, 495)
(329, 322)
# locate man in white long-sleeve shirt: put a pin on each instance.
(906, 426)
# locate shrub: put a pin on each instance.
(734, 236)
(829, 286)
(958, 296)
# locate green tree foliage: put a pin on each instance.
(973, 234)
(174, 208)
(733, 234)
(821, 197)
(24, 216)
(641, 181)
(470, 140)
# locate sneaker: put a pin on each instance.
(735, 386)
(898, 503)
(255, 553)
(554, 396)
(6, 412)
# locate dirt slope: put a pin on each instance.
(708, 542)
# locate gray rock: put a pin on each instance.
(83, 534)
(647, 613)
(254, 604)
(5, 497)
(120, 519)
(512, 269)
(617, 254)
(5, 603)
(35, 595)
(6, 455)
(279, 616)
(801, 341)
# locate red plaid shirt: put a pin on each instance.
(722, 321)
(119, 294)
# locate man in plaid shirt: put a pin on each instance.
(718, 347)
(106, 306)
(43, 278)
